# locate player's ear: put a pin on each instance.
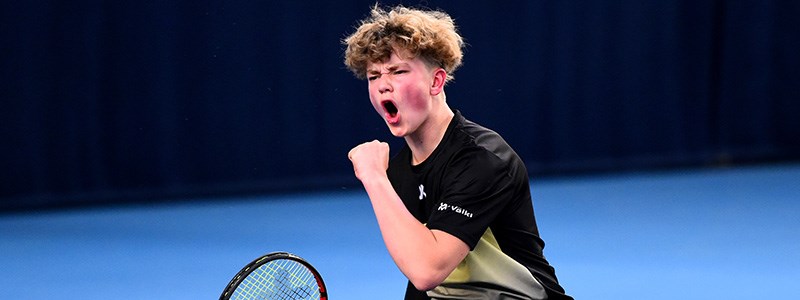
(439, 79)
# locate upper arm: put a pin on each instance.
(449, 252)
(452, 249)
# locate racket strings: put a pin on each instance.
(280, 279)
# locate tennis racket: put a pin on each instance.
(276, 276)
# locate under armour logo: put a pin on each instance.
(422, 192)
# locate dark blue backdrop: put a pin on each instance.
(109, 101)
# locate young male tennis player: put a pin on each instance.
(454, 205)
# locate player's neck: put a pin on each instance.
(423, 142)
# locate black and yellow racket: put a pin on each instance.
(276, 276)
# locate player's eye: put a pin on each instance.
(371, 78)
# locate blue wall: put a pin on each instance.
(108, 101)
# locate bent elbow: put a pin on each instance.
(424, 285)
(427, 280)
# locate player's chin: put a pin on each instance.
(397, 131)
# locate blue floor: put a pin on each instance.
(698, 234)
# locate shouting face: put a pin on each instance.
(400, 90)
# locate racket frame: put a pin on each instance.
(249, 268)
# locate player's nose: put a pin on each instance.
(384, 84)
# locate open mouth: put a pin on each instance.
(390, 108)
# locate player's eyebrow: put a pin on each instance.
(390, 68)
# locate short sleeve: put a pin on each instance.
(476, 188)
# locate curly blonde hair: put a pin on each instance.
(430, 35)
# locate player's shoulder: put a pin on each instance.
(479, 140)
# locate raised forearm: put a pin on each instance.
(426, 257)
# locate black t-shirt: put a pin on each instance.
(474, 183)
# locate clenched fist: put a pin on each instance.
(370, 159)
